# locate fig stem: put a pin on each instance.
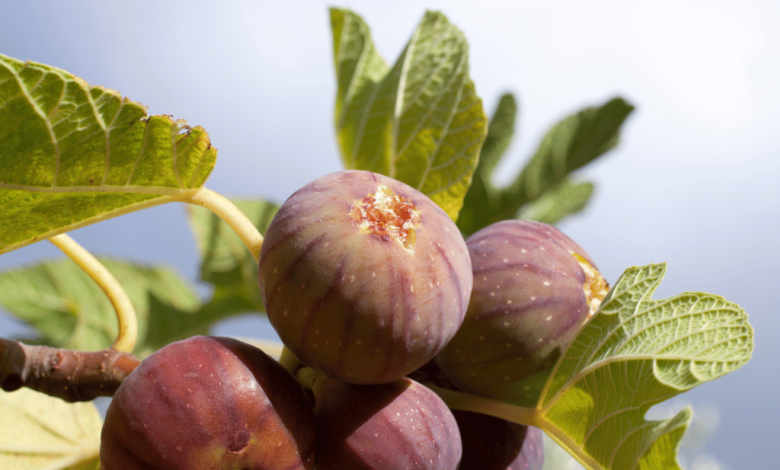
(487, 406)
(307, 376)
(125, 313)
(289, 361)
(232, 215)
(516, 414)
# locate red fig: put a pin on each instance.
(208, 403)
(398, 425)
(363, 277)
(533, 289)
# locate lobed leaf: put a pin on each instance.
(421, 121)
(39, 432)
(67, 309)
(72, 154)
(634, 353)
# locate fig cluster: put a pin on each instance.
(372, 288)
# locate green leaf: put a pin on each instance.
(421, 121)
(72, 154)
(225, 262)
(39, 432)
(559, 202)
(69, 310)
(634, 353)
(499, 136)
(569, 145)
(483, 199)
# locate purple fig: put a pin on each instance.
(363, 277)
(398, 425)
(495, 444)
(533, 290)
(208, 403)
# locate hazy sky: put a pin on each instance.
(694, 181)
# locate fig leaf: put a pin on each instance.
(41, 432)
(568, 198)
(634, 353)
(421, 121)
(74, 154)
(67, 309)
(570, 144)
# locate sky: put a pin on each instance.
(693, 181)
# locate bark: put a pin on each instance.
(70, 375)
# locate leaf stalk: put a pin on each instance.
(125, 313)
(228, 212)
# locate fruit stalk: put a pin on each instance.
(466, 402)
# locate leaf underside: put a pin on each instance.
(634, 353)
(72, 154)
(40, 432)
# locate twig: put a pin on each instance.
(70, 375)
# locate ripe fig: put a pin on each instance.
(398, 425)
(208, 403)
(363, 277)
(495, 444)
(533, 289)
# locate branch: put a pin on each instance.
(70, 375)
(125, 314)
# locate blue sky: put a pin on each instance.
(693, 183)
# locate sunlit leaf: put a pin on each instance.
(38, 432)
(421, 121)
(483, 200)
(634, 353)
(72, 154)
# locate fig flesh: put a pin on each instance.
(398, 425)
(363, 277)
(533, 289)
(208, 403)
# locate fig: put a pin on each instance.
(363, 277)
(533, 289)
(208, 403)
(495, 444)
(397, 425)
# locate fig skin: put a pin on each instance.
(531, 295)
(356, 305)
(495, 444)
(208, 403)
(398, 425)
